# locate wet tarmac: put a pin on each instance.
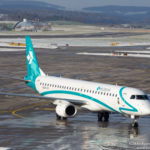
(39, 130)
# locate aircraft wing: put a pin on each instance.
(76, 102)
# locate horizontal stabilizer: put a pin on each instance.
(14, 78)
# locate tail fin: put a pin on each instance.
(33, 70)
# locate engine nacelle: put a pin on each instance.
(65, 109)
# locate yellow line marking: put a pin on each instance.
(5, 111)
(46, 109)
(19, 116)
(49, 109)
(26, 108)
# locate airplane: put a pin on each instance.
(70, 94)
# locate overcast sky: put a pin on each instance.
(78, 4)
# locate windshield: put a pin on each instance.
(140, 97)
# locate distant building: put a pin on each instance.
(3, 16)
(126, 25)
(26, 25)
(42, 26)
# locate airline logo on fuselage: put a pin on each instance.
(103, 89)
(98, 88)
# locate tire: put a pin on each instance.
(100, 116)
(106, 116)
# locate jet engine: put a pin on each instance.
(65, 109)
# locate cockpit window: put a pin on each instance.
(132, 97)
(142, 97)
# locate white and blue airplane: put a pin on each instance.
(70, 94)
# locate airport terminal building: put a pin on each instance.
(26, 25)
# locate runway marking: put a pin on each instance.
(29, 107)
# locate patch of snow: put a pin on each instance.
(111, 54)
(10, 50)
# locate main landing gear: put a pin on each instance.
(103, 116)
(60, 118)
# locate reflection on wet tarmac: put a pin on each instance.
(40, 130)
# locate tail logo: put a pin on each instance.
(30, 57)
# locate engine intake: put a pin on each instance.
(66, 109)
(70, 110)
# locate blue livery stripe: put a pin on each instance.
(126, 109)
(78, 94)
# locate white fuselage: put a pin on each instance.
(97, 96)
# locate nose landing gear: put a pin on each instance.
(134, 123)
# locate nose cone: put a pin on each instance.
(146, 108)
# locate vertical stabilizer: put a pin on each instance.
(33, 70)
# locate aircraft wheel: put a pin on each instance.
(58, 117)
(100, 116)
(64, 118)
(135, 125)
(106, 116)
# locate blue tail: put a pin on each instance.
(33, 70)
